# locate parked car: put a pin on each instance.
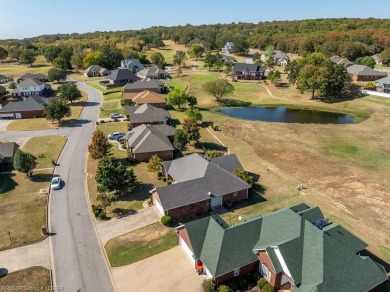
(115, 116)
(116, 136)
(56, 183)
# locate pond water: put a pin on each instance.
(282, 114)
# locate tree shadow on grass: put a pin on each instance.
(74, 123)
(41, 177)
(141, 193)
(350, 92)
(7, 183)
(235, 103)
(212, 146)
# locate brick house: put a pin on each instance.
(130, 90)
(149, 97)
(30, 107)
(295, 249)
(96, 70)
(145, 141)
(199, 185)
(153, 73)
(146, 114)
(243, 71)
(7, 152)
(121, 76)
(364, 73)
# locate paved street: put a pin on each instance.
(37, 133)
(78, 262)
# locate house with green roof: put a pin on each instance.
(295, 248)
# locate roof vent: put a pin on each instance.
(210, 194)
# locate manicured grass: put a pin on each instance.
(177, 83)
(168, 50)
(49, 147)
(16, 70)
(95, 84)
(106, 113)
(31, 279)
(23, 209)
(114, 104)
(140, 244)
(109, 128)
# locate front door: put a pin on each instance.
(216, 202)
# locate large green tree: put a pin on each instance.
(218, 88)
(93, 58)
(111, 56)
(193, 113)
(385, 56)
(366, 61)
(24, 162)
(3, 54)
(100, 146)
(311, 78)
(336, 78)
(196, 51)
(158, 59)
(191, 128)
(69, 92)
(113, 176)
(292, 68)
(176, 97)
(56, 74)
(77, 58)
(180, 140)
(274, 76)
(179, 58)
(27, 56)
(50, 52)
(56, 109)
(60, 63)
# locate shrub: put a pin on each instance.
(164, 179)
(213, 153)
(261, 282)
(166, 220)
(223, 288)
(232, 285)
(208, 285)
(254, 276)
(102, 121)
(96, 211)
(267, 288)
(150, 201)
(102, 216)
(116, 120)
(169, 182)
(241, 282)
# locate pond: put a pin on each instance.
(282, 114)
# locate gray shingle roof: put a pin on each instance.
(148, 138)
(194, 178)
(144, 85)
(241, 67)
(129, 63)
(280, 55)
(8, 149)
(341, 61)
(94, 68)
(3, 77)
(152, 71)
(146, 113)
(122, 74)
(38, 76)
(29, 104)
(362, 70)
(315, 260)
(228, 162)
(29, 82)
(385, 80)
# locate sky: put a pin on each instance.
(27, 18)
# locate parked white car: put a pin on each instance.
(55, 183)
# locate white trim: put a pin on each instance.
(208, 274)
(186, 249)
(158, 206)
(282, 262)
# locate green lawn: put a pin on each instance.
(95, 84)
(106, 113)
(108, 105)
(177, 83)
(31, 279)
(140, 244)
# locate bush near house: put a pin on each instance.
(223, 288)
(261, 282)
(208, 285)
(166, 220)
(267, 288)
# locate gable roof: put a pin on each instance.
(228, 58)
(152, 71)
(361, 70)
(3, 77)
(280, 55)
(93, 68)
(195, 177)
(146, 113)
(341, 61)
(133, 63)
(8, 149)
(148, 97)
(29, 82)
(148, 138)
(34, 76)
(122, 74)
(31, 103)
(144, 85)
(385, 80)
(313, 259)
(241, 67)
(228, 162)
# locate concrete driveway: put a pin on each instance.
(169, 271)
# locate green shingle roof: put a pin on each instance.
(345, 237)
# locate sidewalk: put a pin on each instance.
(24, 257)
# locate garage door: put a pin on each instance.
(18, 115)
(158, 205)
(186, 249)
(216, 202)
(7, 116)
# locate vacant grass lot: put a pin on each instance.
(49, 146)
(140, 244)
(31, 279)
(15, 70)
(168, 50)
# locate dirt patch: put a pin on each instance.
(148, 233)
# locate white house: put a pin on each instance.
(134, 65)
(30, 87)
(228, 48)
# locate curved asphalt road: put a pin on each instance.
(78, 260)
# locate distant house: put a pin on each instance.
(228, 59)
(199, 185)
(377, 59)
(146, 114)
(341, 61)
(3, 90)
(383, 84)
(149, 97)
(145, 141)
(96, 70)
(242, 71)
(38, 76)
(30, 87)
(30, 107)
(228, 48)
(7, 152)
(295, 249)
(197, 41)
(130, 90)
(364, 73)
(134, 65)
(153, 73)
(4, 79)
(280, 58)
(121, 76)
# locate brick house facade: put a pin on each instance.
(164, 155)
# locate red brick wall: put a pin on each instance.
(191, 210)
(366, 78)
(29, 114)
(275, 278)
(140, 90)
(164, 155)
(244, 271)
(184, 235)
(133, 125)
(158, 105)
(232, 198)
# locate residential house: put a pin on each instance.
(7, 152)
(4, 79)
(242, 71)
(145, 141)
(149, 97)
(96, 70)
(364, 73)
(130, 90)
(383, 85)
(197, 41)
(280, 58)
(228, 59)
(134, 65)
(146, 114)
(295, 249)
(153, 73)
(30, 107)
(228, 48)
(199, 185)
(30, 87)
(3, 90)
(341, 61)
(121, 76)
(39, 76)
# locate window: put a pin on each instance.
(266, 273)
(236, 272)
